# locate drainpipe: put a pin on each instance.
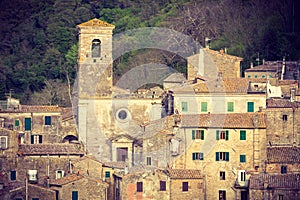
(26, 188)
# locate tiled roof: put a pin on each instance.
(275, 181)
(29, 108)
(229, 85)
(184, 174)
(116, 164)
(264, 68)
(281, 103)
(67, 113)
(67, 179)
(229, 120)
(51, 149)
(283, 154)
(96, 22)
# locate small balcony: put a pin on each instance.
(241, 184)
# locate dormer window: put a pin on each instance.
(96, 48)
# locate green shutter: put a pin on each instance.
(17, 122)
(203, 106)
(227, 156)
(250, 106)
(230, 106)
(193, 134)
(217, 134)
(201, 156)
(27, 124)
(217, 156)
(242, 135)
(226, 135)
(74, 195)
(32, 139)
(194, 156)
(202, 134)
(184, 106)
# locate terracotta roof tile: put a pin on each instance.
(117, 164)
(67, 113)
(51, 149)
(283, 154)
(264, 68)
(230, 120)
(95, 22)
(281, 103)
(275, 181)
(29, 108)
(184, 174)
(67, 179)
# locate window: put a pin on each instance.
(47, 120)
(96, 48)
(242, 158)
(185, 186)
(197, 156)
(263, 76)
(270, 76)
(17, 122)
(184, 106)
(222, 195)
(241, 175)
(203, 106)
(222, 135)
(162, 186)
(139, 186)
(37, 199)
(27, 124)
(60, 174)
(198, 134)
(74, 195)
(255, 76)
(284, 169)
(36, 139)
(284, 118)
(242, 135)
(222, 156)
(222, 175)
(148, 160)
(3, 142)
(250, 106)
(13, 175)
(122, 154)
(280, 197)
(230, 106)
(249, 76)
(107, 174)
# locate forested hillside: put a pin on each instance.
(38, 38)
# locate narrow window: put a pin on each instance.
(203, 106)
(284, 118)
(139, 186)
(280, 197)
(17, 122)
(47, 120)
(250, 106)
(222, 175)
(185, 186)
(184, 106)
(60, 174)
(107, 174)
(36, 139)
(222, 195)
(197, 134)
(13, 175)
(3, 142)
(230, 107)
(242, 135)
(242, 158)
(148, 160)
(27, 124)
(162, 186)
(242, 175)
(96, 48)
(74, 195)
(197, 156)
(284, 169)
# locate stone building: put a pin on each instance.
(225, 147)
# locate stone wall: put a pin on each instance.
(195, 189)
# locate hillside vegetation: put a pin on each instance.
(38, 38)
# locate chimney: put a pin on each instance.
(283, 68)
(251, 65)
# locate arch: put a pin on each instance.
(69, 139)
(96, 48)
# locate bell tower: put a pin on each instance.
(95, 59)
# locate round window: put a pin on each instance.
(122, 115)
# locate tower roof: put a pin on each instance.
(95, 23)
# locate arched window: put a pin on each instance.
(96, 48)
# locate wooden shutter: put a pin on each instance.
(227, 156)
(217, 135)
(193, 134)
(226, 135)
(217, 156)
(202, 134)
